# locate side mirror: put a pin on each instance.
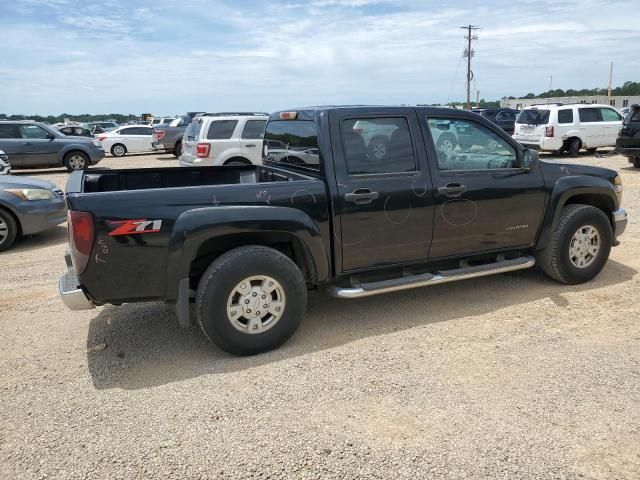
(50, 136)
(530, 159)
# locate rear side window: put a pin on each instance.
(292, 142)
(9, 131)
(506, 116)
(590, 115)
(565, 115)
(377, 145)
(221, 129)
(610, 115)
(634, 116)
(253, 129)
(533, 117)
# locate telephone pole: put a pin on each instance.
(469, 53)
(610, 81)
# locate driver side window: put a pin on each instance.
(467, 145)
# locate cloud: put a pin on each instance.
(168, 58)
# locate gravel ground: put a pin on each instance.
(511, 376)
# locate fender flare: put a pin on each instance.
(566, 188)
(193, 227)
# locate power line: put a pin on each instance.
(469, 54)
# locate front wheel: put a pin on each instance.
(8, 230)
(177, 150)
(579, 246)
(251, 300)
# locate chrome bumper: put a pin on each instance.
(620, 220)
(70, 292)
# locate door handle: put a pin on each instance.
(452, 190)
(250, 145)
(28, 143)
(361, 196)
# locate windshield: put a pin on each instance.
(533, 117)
(294, 142)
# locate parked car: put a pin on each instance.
(247, 242)
(101, 127)
(170, 137)
(33, 144)
(76, 131)
(568, 128)
(28, 206)
(505, 118)
(129, 139)
(625, 111)
(5, 166)
(156, 122)
(628, 143)
(224, 139)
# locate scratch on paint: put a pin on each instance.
(216, 202)
(264, 194)
(413, 187)
(386, 213)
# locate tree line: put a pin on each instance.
(627, 89)
(84, 118)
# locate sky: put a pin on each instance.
(167, 57)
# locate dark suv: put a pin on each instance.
(628, 143)
(33, 144)
(505, 118)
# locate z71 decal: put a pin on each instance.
(132, 227)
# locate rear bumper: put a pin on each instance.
(70, 291)
(620, 221)
(540, 144)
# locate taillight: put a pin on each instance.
(548, 132)
(101, 137)
(80, 238)
(160, 134)
(202, 150)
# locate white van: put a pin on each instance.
(215, 139)
(568, 128)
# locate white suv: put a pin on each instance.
(215, 139)
(568, 128)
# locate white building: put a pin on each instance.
(621, 101)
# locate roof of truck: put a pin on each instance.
(308, 113)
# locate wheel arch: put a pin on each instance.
(594, 191)
(7, 208)
(202, 235)
(237, 158)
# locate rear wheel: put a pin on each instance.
(8, 230)
(579, 246)
(636, 162)
(118, 150)
(250, 300)
(177, 151)
(447, 143)
(76, 161)
(237, 161)
(574, 147)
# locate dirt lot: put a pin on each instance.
(512, 376)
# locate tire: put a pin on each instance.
(377, 148)
(118, 150)
(177, 151)
(219, 295)
(8, 230)
(574, 147)
(76, 161)
(447, 143)
(556, 259)
(636, 162)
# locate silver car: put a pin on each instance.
(33, 144)
(5, 167)
(28, 206)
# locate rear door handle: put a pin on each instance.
(250, 145)
(452, 190)
(361, 196)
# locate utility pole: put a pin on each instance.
(610, 80)
(469, 53)
(550, 82)
(477, 98)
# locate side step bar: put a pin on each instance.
(425, 279)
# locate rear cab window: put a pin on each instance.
(292, 142)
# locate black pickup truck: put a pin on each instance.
(246, 243)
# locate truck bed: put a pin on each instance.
(153, 178)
